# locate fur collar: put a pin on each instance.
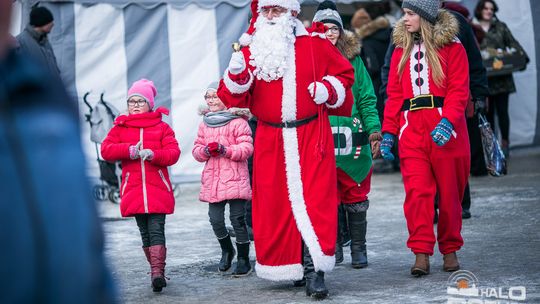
(371, 27)
(244, 112)
(349, 45)
(444, 31)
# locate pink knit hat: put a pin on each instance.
(143, 88)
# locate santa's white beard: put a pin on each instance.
(271, 46)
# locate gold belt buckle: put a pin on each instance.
(413, 106)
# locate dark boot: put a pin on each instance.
(227, 253)
(357, 229)
(315, 287)
(243, 267)
(158, 254)
(421, 265)
(339, 241)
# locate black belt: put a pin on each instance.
(292, 123)
(358, 139)
(422, 102)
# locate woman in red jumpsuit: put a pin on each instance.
(428, 89)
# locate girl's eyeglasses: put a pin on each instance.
(138, 103)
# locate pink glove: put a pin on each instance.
(134, 151)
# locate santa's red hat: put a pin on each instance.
(246, 37)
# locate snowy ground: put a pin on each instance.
(502, 249)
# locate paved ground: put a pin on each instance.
(502, 249)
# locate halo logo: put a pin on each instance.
(463, 288)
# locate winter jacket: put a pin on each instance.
(225, 177)
(52, 235)
(499, 37)
(146, 187)
(37, 45)
(356, 160)
(375, 38)
(413, 126)
(477, 71)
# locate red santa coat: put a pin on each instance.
(146, 187)
(294, 197)
(426, 167)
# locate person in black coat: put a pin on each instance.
(479, 90)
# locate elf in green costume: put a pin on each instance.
(355, 138)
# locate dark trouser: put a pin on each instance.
(152, 228)
(249, 218)
(216, 213)
(478, 163)
(499, 103)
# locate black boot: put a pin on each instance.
(227, 253)
(339, 240)
(315, 287)
(357, 228)
(243, 267)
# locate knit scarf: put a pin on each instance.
(218, 119)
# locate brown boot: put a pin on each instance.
(421, 266)
(158, 254)
(450, 262)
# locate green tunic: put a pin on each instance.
(356, 160)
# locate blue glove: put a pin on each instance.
(442, 133)
(386, 146)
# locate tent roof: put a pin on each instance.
(208, 4)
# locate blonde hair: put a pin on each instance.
(432, 56)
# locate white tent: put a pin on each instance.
(182, 45)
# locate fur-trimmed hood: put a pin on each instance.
(444, 31)
(371, 27)
(243, 112)
(349, 45)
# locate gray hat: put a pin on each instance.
(427, 9)
(213, 86)
(327, 13)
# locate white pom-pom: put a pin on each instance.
(245, 39)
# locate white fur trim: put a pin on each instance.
(234, 87)
(290, 272)
(301, 29)
(320, 35)
(245, 39)
(340, 90)
(293, 171)
(292, 5)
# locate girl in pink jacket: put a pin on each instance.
(146, 146)
(224, 142)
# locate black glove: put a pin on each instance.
(480, 106)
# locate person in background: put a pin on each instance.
(361, 135)
(34, 41)
(224, 144)
(146, 145)
(498, 37)
(428, 91)
(52, 238)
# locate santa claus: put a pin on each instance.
(291, 79)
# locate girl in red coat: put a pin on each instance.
(428, 89)
(146, 146)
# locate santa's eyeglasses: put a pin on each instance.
(274, 11)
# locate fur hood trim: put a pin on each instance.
(243, 112)
(371, 27)
(349, 45)
(445, 30)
